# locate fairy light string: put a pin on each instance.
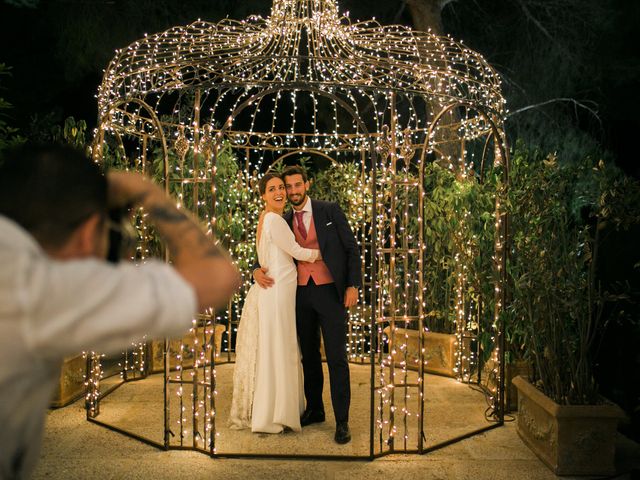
(206, 108)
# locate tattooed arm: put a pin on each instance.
(202, 263)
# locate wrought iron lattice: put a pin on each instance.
(306, 81)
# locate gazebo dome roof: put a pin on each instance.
(303, 43)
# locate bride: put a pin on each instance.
(268, 393)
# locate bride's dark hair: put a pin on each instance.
(262, 183)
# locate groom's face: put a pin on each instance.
(296, 189)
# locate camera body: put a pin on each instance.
(122, 235)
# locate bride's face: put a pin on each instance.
(275, 195)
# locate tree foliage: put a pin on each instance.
(9, 136)
(561, 215)
(550, 54)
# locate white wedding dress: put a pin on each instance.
(268, 392)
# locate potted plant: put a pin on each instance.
(559, 217)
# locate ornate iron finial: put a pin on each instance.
(181, 145)
(206, 142)
(384, 144)
(407, 150)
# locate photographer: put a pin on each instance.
(58, 296)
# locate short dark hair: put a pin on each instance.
(294, 170)
(49, 190)
(262, 183)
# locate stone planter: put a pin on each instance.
(71, 384)
(570, 439)
(511, 371)
(439, 351)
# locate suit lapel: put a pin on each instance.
(320, 221)
(288, 217)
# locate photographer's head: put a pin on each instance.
(59, 196)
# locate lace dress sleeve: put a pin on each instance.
(283, 237)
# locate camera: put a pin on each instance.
(122, 234)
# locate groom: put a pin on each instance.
(326, 288)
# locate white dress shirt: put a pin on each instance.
(51, 309)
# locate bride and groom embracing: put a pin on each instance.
(291, 302)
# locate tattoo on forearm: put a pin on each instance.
(167, 214)
(213, 251)
(183, 231)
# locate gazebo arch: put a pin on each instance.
(307, 80)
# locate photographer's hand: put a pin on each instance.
(196, 256)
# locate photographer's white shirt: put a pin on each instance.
(52, 309)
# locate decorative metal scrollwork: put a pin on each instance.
(384, 144)
(407, 150)
(206, 142)
(181, 145)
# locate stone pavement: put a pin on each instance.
(76, 449)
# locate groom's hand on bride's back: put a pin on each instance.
(261, 277)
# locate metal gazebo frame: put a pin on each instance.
(306, 81)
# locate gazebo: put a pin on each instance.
(308, 83)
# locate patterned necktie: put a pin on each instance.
(301, 227)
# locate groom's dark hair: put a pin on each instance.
(294, 170)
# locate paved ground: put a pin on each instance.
(451, 409)
(76, 449)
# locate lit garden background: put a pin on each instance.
(505, 227)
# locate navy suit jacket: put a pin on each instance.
(338, 245)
